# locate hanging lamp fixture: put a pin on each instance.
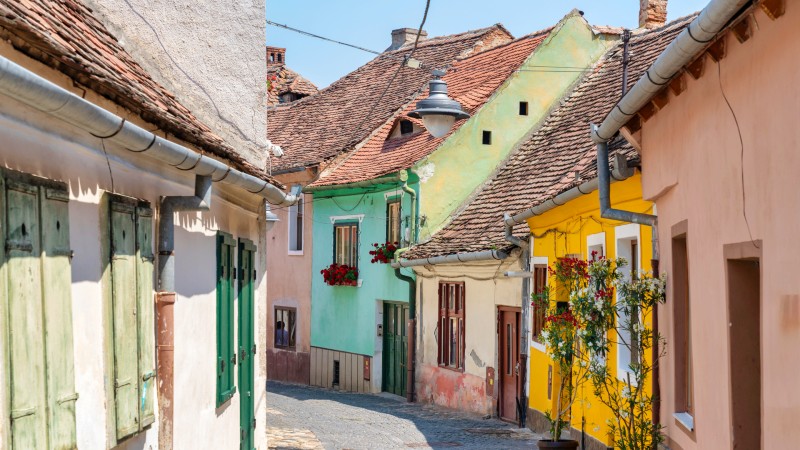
(438, 112)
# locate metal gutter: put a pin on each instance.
(680, 52)
(399, 177)
(27, 87)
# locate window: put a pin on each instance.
(595, 248)
(285, 327)
(296, 227)
(345, 244)
(627, 247)
(539, 311)
(226, 355)
(132, 315)
(684, 385)
(406, 127)
(523, 108)
(487, 137)
(37, 312)
(393, 221)
(451, 325)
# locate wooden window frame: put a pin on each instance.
(445, 319)
(354, 247)
(293, 312)
(682, 338)
(538, 312)
(391, 202)
(225, 293)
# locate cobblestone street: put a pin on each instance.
(303, 417)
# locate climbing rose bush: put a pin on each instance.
(383, 253)
(340, 275)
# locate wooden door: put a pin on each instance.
(508, 346)
(395, 345)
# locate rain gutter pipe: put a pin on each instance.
(25, 86)
(680, 52)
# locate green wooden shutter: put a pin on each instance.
(56, 273)
(225, 351)
(25, 318)
(124, 305)
(247, 347)
(146, 328)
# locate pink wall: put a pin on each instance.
(289, 284)
(692, 170)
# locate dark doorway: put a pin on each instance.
(395, 345)
(508, 346)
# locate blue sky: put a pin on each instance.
(368, 23)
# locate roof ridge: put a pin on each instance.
(448, 38)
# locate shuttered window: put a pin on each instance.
(539, 310)
(132, 315)
(35, 300)
(451, 325)
(226, 355)
(345, 244)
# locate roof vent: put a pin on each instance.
(404, 36)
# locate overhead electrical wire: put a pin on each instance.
(287, 27)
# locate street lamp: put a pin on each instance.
(438, 112)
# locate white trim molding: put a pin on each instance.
(335, 219)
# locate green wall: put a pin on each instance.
(463, 163)
(343, 317)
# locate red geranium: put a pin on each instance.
(383, 253)
(340, 275)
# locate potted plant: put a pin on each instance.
(632, 427)
(575, 330)
(383, 253)
(340, 275)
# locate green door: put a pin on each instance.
(395, 346)
(247, 346)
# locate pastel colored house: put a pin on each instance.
(719, 159)
(124, 218)
(425, 177)
(480, 247)
(313, 132)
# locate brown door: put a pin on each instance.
(509, 362)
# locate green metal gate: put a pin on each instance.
(247, 346)
(395, 346)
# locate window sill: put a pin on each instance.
(685, 420)
(285, 348)
(538, 346)
(360, 282)
(295, 253)
(453, 369)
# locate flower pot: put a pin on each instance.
(549, 443)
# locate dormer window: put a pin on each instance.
(406, 127)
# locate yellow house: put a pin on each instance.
(575, 229)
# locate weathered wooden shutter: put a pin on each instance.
(25, 317)
(225, 350)
(125, 324)
(247, 346)
(146, 328)
(56, 273)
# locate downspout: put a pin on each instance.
(165, 299)
(525, 302)
(411, 329)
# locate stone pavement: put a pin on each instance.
(304, 417)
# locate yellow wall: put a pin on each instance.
(563, 231)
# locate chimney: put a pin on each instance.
(276, 56)
(652, 13)
(403, 36)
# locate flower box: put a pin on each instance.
(340, 275)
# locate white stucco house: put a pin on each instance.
(133, 230)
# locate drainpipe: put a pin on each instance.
(165, 298)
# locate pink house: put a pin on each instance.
(719, 146)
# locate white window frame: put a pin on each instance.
(538, 260)
(348, 218)
(291, 224)
(594, 241)
(625, 234)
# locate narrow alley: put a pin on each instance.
(305, 417)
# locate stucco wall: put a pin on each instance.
(446, 184)
(210, 54)
(37, 144)
(693, 167)
(485, 289)
(568, 230)
(290, 285)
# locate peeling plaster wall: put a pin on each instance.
(38, 144)
(485, 289)
(210, 54)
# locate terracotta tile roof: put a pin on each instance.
(287, 81)
(318, 128)
(471, 81)
(64, 35)
(546, 164)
